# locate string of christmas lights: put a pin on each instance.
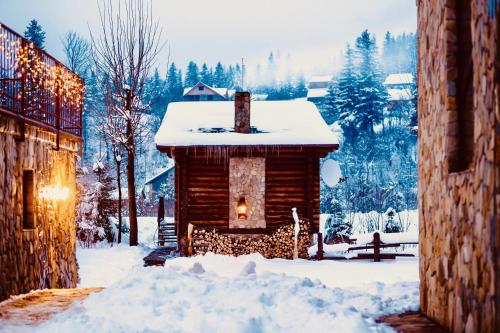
(32, 82)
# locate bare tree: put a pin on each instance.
(124, 53)
(77, 51)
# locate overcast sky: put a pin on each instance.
(313, 32)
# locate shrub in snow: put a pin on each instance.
(391, 225)
(95, 206)
(106, 207)
(337, 228)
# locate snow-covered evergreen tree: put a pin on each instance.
(230, 77)
(219, 78)
(35, 34)
(372, 95)
(155, 95)
(300, 88)
(192, 75)
(329, 108)
(337, 229)
(106, 207)
(206, 75)
(174, 84)
(347, 95)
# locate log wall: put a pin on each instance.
(202, 189)
(42, 257)
(459, 230)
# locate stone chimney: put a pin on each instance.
(242, 112)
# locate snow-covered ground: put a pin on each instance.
(251, 294)
(215, 293)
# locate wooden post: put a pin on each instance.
(309, 187)
(161, 218)
(183, 204)
(376, 247)
(319, 254)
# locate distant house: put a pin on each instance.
(203, 92)
(399, 88)
(318, 88)
(399, 81)
(160, 184)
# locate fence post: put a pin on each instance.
(319, 254)
(376, 247)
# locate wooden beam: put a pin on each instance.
(309, 187)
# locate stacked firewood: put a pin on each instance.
(279, 244)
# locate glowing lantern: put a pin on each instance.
(54, 193)
(242, 209)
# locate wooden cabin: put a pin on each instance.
(240, 168)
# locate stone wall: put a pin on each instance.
(278, 244)
(247, 178)
(42, 257)
(459, 235)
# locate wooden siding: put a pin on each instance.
(202, 188)
(207, 192)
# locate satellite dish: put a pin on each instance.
(330, 172)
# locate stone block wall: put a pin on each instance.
(459, 232)
(247, 178)
(42, 257)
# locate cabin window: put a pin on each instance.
(28, 203)
(210, 97)
(462, 154)
(200, 88)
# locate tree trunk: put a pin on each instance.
(118, 181)
(132, 206)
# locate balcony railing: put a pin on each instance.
(37, 89)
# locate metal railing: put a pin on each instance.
(36, 88)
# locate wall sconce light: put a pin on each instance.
(54, 192)
(242, 209)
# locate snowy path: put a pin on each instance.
(246, 294)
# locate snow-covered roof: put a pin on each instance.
(273, 123)
(400, 94)
(159, 174)
(220, 91)
(317, 92)
(321, 78)
(399, 78)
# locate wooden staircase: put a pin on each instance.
(166, 233)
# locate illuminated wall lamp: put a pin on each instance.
(242, 209)
(54, 193)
